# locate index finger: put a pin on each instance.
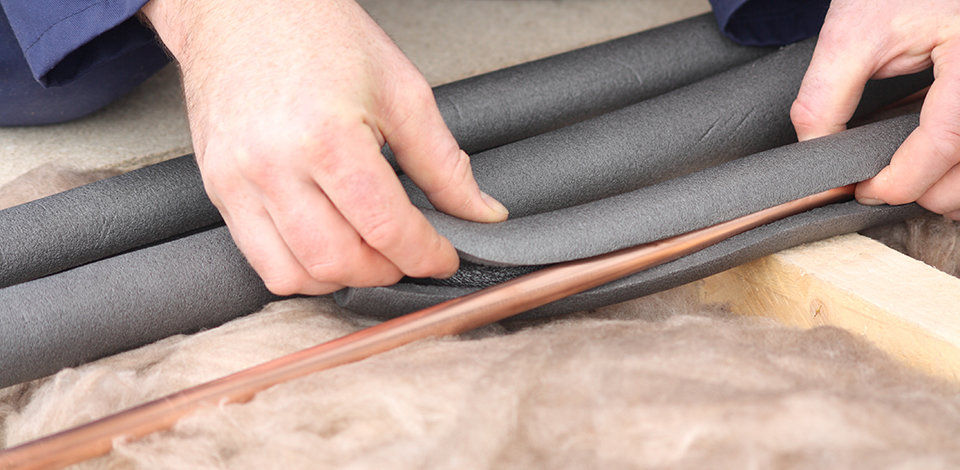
(364, 188)
(832, 86)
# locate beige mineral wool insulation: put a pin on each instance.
(48, 179)
(933, 239)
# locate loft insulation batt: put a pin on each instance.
(656, 382)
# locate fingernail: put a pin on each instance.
(447, 274)
(494, 204)
(869, 201)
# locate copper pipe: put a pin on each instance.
(448, 318)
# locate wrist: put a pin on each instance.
(169, 20)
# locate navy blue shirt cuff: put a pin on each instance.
(61, 39)
(769, 22)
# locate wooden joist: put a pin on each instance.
(905, 307)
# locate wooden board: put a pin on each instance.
(907, 308)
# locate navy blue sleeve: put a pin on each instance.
(61, 39)
(769, 22)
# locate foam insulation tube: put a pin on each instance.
(161, 201)
(201, 280)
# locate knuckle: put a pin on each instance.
(219, 188)
(217, 175)
(945, 145)
(380, 231)
(454, 173)
(324, 135)
(329, 147)
(944, 59)
(334, 265)
(327, 270)
(415, 101)
(802, 115)
(325, 158)
(430, 265)
(324, 145)
(420, 92)
(257, 168)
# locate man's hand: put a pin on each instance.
(863, 39)
(289, 104)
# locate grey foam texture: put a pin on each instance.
(123, 302)
(680, 204)
(102, 219)
(164, 200)
(201, 279)
(735, 113)
(818, 224)
(517, 102)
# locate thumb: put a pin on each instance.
(931, 150)
(832, 86)
(430, 156)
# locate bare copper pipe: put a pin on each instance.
(448, 318)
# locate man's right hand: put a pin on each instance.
(289, 104)
(863, 39)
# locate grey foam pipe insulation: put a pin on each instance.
(535, 97)
(102, 219)
(164, 200)
(817, 224)
(734, 113)
(678, 205)
(201, 280)
(123, 302)
(712, 195)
